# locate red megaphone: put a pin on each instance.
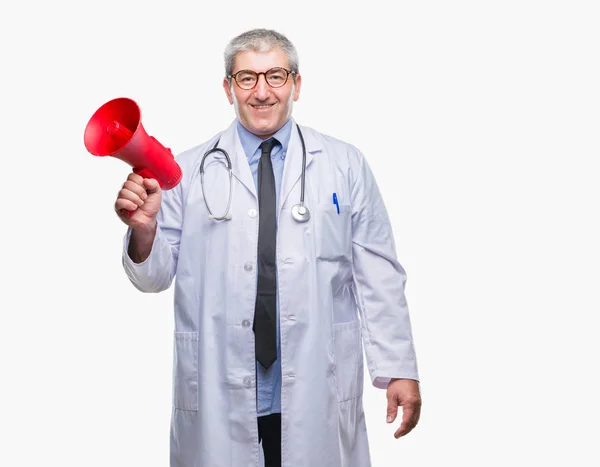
(116, 130)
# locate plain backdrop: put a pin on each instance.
(480, 120)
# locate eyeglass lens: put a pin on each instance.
(247, 79)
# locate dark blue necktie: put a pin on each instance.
(265, 311)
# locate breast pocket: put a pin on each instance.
(185, 371)
(333, 232)
(348, 360)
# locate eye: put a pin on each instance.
(245, 77)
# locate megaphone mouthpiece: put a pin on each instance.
(115, 128)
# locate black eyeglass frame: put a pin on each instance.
(264, 73)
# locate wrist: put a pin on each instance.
(146, 230)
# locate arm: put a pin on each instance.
(379, 282)
(151, 245)
(140, 243)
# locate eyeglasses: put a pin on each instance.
(275, 77)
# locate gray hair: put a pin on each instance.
(260, 40)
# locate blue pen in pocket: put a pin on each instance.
(335, 201)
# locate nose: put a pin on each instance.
(262, 89)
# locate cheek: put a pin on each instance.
(287, 98)
(237, 97)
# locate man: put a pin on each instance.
(273, 303)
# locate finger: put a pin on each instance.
(152, 185)
(137, 188)
(392, 409)
(122, 205)
(410, 417)
(136, 178)
(129, 195)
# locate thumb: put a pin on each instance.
(152, 185)
(392, 409)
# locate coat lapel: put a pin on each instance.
(230, 141)
(292, 170)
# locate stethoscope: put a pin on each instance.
(300, 212)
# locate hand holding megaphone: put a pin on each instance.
(116, 130)
(138, 201)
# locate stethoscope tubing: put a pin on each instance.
(299, 211)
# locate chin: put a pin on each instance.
(264, 129)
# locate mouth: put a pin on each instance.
(262, 106)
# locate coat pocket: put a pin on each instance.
(333, 232)
(348, 360)
(185, 371)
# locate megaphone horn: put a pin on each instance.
(116, 130)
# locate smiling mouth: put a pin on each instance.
(259, 107)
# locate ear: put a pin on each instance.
(298, 86)
(227, 89)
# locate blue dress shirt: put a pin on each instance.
(268, 382)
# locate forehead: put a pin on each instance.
(260, 61)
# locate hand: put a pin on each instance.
(142, 196)
(403, 393)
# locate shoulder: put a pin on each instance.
(191, 155)
(334, 149)
(189, 161)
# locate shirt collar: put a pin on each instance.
(251, 142)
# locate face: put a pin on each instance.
(262, 110)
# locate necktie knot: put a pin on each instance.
(267, 146)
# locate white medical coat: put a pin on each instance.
(340, 288)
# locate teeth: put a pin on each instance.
(261, 106)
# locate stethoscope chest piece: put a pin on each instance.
(300, 213)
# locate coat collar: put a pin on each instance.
(230, 141)
(292, 170)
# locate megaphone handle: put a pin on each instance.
(146, 174)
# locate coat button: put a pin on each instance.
(246, 323)
(252, 212)
(248, 266)
(247, 381)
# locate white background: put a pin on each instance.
(481, 122)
